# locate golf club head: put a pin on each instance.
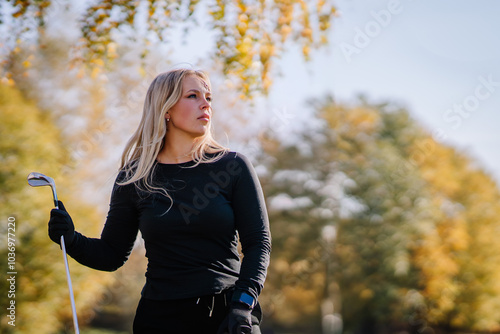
(39, 180)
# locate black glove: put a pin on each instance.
(238, 320)
(60, 223)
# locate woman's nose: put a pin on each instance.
(205, 104)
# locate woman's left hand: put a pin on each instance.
(238, 320)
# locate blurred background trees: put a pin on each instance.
(31, 141)
(377, 227)
(414, 225)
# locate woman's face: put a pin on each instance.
(191, 114)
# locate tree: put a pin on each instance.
(459, 257)
(415, 224)
(374, 243)
(295, 184)
(31, 142)
(248, 35)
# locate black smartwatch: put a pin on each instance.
(244, 298)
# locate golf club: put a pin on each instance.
(40, 180)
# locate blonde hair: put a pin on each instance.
(139, 157)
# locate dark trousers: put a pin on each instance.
(186, 316)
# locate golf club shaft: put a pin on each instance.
(68, 276)
(73, 307)
(54, 194)
(38, 180)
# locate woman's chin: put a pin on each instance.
(199, 133)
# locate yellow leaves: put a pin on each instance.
(243, 24)
(28, 61)
(458, 257)
(306, 50)
(440, 165)
(97, 61)
(364, 119)
(44, 4)
(81, 73)
(17, 14)
(192, 6)
(268, 24)
(266, 50)
(305, 22)
(10, 82)
(151, 11)
(307, 33)
(101, 17)
(352, 121)
(458, 237)
(281, 266)
(285, 31)
(436, 230)
(218, 11)
(111, 50)
(366, 294)
(295, 304)
(7, 80)
(439, 271)
(245, 50)
(95, 72)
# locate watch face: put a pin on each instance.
(247, 299)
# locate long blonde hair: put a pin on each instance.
(139, 157)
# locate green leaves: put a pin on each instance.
(415, 226)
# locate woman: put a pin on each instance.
(191, 199)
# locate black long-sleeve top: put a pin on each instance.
(191, 242)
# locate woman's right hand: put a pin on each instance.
(60, 223)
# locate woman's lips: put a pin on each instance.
(205, 117)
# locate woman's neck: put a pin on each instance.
(174, 152)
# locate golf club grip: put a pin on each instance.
(70, 286)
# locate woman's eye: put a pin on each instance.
(209, 99)
(191, 96)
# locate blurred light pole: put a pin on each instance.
(331, 322)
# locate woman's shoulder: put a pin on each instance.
(234, 163)
(124, 176)
(234, 156)
(125, 172)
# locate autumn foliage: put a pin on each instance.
(377, 226)
(415, 245)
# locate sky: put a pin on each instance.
(438, 59)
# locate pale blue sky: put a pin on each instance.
(430, 56)
(433, 57)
